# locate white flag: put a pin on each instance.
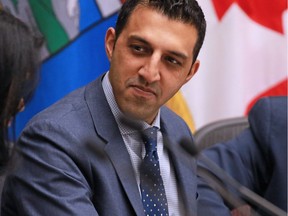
(244, 57)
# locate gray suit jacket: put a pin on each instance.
(74, 161)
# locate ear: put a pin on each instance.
(110, 42)
(193, 70)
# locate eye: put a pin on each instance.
(173, 61)
(137, 48)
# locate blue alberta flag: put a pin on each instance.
(74, 52)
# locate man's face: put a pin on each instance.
(150, 61)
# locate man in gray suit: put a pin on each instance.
(82, 155)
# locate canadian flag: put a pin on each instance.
(244, 57)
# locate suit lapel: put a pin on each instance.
(106, 127)
(184, 166)
(186, 179)
(120, 158)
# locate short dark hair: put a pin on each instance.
(186, 11)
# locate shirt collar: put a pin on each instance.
(126, 125)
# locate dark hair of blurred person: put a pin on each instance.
(18, 75)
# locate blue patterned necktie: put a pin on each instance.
(151, 183)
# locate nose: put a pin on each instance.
(150, 70)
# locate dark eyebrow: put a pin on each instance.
(178, 54)
(140, 39)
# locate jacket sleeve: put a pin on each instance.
(235, 158)
(45, 185)
(254, 157)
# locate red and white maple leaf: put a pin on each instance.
(265, 12)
